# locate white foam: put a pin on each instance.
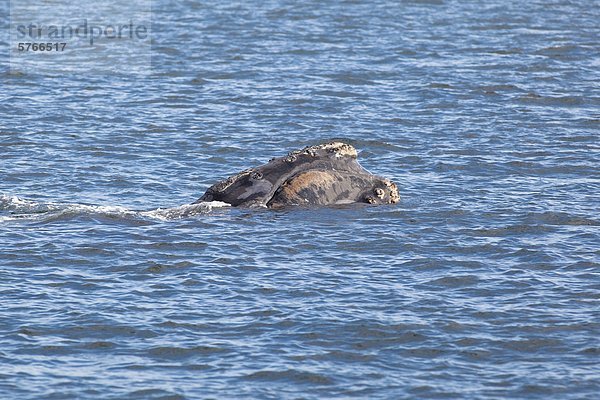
(21, 209)
(184, 211)
(12, 201)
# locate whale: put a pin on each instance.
(321, 175)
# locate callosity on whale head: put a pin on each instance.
(325, 174)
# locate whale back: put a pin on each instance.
(320, 175)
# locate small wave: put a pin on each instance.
(293, 375)
(558, 101)
(184, 211)
(561, 218)
(16, 208)
(563, 51)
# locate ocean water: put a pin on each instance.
(483, 282)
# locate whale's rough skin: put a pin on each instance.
(325, 174)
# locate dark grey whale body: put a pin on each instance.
(325, 174)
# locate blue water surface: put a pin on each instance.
(483, 282)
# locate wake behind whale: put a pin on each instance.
(13, 208)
